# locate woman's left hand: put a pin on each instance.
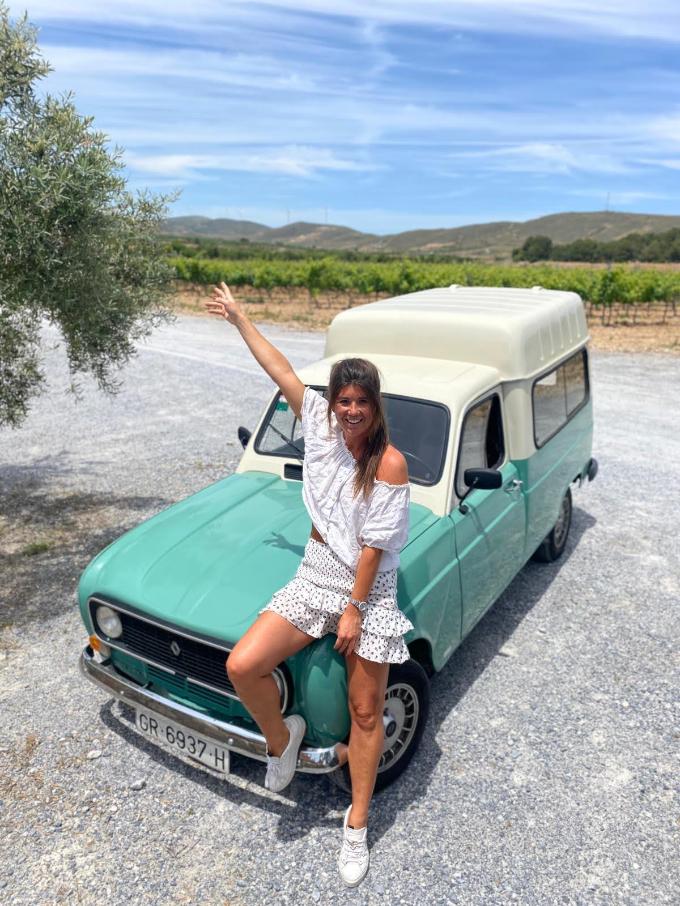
(349, 631)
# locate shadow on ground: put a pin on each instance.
(49, 533)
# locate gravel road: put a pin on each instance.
(548, 770)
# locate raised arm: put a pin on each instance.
(268, 356)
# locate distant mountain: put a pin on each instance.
(320, 236)
(484, 240)
(219, 229)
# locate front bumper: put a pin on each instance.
(233, 737)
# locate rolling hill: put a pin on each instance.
(485, 240)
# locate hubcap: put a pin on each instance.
(400, 719)
(562, 524)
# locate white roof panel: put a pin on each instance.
(517, 332)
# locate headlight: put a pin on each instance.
(108, 621)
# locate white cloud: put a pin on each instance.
(182, 97)
(185, 66)
(291, 161)
(547, 157)
(657, 19)
(666, 128)
(373, 39)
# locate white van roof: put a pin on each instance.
(517, 332)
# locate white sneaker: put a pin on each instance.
(280, 770)
(353, 858)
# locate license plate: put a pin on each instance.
(160, 729)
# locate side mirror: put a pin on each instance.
(244, 436)
(481, 479)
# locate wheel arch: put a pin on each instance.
(421, 652)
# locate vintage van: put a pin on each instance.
(487, 393)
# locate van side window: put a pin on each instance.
(558, 395)
(481, 444)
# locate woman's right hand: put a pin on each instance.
(266, 354)
(223, 304)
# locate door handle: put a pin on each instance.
(514, 487)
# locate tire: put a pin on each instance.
(407, 702)
(553, 545)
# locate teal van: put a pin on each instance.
(487, 394)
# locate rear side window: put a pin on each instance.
(558, 395)
(481, 443)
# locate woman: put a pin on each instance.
(355, 488)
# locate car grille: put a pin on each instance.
(191, 659)
(181, 687)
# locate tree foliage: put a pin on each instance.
(76, 248)
(652, 247)
(535, 248)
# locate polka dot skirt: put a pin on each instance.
(316, 597)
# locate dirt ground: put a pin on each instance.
(655, 329)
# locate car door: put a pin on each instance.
(490, 534)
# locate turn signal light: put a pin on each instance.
(100, 647)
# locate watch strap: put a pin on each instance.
(361, 606)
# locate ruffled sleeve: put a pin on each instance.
(386, 523)
(314, 420)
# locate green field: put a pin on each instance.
(620, 285)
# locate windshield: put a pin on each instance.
(418, 428)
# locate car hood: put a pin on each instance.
(210, 562)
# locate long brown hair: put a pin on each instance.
(363, 374)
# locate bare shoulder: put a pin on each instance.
(392, 468)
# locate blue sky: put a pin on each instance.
(382, 116)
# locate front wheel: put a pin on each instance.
(552, 546)
(407, 702)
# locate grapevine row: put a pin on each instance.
(619, 285)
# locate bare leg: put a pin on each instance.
(270, 640)
(367, 682)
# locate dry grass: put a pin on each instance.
(291, 307)
(653, 329)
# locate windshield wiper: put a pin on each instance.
(300, 453)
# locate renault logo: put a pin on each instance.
(174, 647)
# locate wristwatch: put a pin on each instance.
(361, 606)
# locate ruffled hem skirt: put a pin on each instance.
(316, 597)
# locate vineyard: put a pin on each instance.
(605, 290)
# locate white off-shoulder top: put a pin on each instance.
(345, 522)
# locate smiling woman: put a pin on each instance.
(355, 489)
